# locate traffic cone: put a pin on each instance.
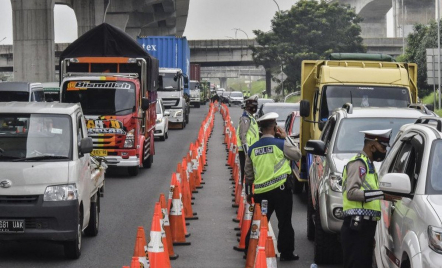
(178, 186)
(135, 263)
(270, 251)
(254, 236)
(245, 225)
(157, 256)
(261, 261)
(163, 233)
(177, 223)
(140, 250)
(166, 223)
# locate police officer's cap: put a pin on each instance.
(253, 100)
(267, 117)
(382, 136)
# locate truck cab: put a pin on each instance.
(195, 92)
(171, 91)
(21, 91)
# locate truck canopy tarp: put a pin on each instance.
(361, 56)
(105, 40)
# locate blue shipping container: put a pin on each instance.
(171, 52)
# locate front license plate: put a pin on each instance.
(99, 152)
(12, 226)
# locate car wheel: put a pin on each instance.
(310, 213)
(405, 262)
(163, 138)
(72, 249)
(133, 171)
(94, 220)
(327, 248)
(166, 135)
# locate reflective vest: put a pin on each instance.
(372, 208)
(252, 134)
(270, 167)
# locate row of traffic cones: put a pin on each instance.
(260, 251)
(168, 228)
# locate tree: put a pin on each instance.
(309, 30)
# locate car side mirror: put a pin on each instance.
(395, 184)
(86, 145)
(166, 113)
(304, 108)
(316, 147)
(145, 104)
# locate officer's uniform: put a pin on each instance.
(267, 168)
(247, 134)
(362, 208)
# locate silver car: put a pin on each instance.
(409, 233)
(341, 140)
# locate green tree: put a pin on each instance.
(309, 30)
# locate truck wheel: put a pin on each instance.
(133, 171)
(72, 249)
(148, 162)
(310, 213)
(94, 220)
(298, 186)
(328, 249)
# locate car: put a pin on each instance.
(292, 128)
(283, 109)
(236, 98)
(21, 91)
(409, 233)
(261, 101)
(340, 140)
(225, 97)
(162, 122)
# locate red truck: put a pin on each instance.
(115, 80)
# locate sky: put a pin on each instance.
(207, 19)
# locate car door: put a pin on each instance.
(84, 169)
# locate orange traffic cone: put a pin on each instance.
(261, 258)
(254, 236)
(155, 248)
(135, 263)
(167, 230)
(180, 194)
(176, 219)
(163, 233)
(140, 250)
(245, 226)
(261, 261)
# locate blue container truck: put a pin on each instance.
(173, 54)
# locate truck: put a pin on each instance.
(116, 82)
(173, 54)
(51, 91)
(361, 79)
(203, 92)
(50, 185)
(195, 91)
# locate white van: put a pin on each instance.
(50, 186)
(21, 91)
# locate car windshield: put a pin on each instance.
(282, 110)
(225, 93)
(38, 96)
(434, 182)
(34, 135)
(349, 139)
(236, 94)
(362, 96)
(168, 81)
(101, 97)
(6, 96)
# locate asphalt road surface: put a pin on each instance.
(128, 202)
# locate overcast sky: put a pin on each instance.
(208, 19)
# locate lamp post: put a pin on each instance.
(279, 10)
(238, 29)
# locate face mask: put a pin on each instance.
(378, 156)
(253, 109)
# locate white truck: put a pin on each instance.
(50, 186)
(195, 93)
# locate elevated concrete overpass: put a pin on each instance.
(33, 27)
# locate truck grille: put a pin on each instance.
(20, 199)
(170, 102)
(106, 141)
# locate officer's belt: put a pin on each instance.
(362, 212)
(270, 182)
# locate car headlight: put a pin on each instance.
(435, 238)
(130, 138)
(159, 120)
(336, 182)
(61, 193)
(179, 113)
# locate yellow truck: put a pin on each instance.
(364, 80)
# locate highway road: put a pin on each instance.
(128, 202)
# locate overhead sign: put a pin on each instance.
(432, 66)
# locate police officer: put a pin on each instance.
(361, 197)
(267, 167)
(247, 132)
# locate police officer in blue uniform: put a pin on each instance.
(361, 200)
(267, 168)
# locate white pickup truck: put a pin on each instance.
(50, 186)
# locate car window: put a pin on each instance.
(401, 159)
(434, 178)
(328, 130)
(287, 123)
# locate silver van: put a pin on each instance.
(21, 91)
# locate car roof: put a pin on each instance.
(39, 107)
(386, 112)
(18, 86)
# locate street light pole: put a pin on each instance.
(279, 10)
(238, 29)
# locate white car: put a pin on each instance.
(162, 123)
(409, 233)
(236, 98)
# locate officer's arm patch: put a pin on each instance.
(362, 172)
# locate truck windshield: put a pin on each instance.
(350, 140)
(194, 85)
(169, 81)
(24, 136)
(7, 96)
(101, 97)
(362, 96)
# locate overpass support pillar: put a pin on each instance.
(269, 83)
(374, 29)
(33, 35)
(89, 13)
(223, 82)
(118, 20)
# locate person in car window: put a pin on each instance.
(361, 195)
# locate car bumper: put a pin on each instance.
(235, 102)
(331, 202)
(426, 259)
(52, 221)
(118, 161)
(159, 129)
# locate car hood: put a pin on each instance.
(436, 202)
(341, 159)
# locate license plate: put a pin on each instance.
(12, 226)
(99, 152)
